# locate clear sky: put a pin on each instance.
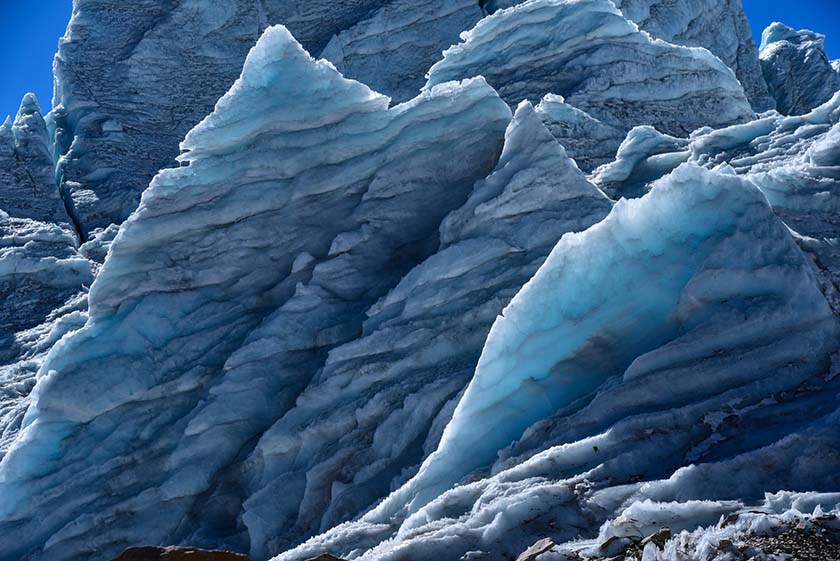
(29, 32)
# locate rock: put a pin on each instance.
(543, 546)
(659, 538)
(180, 554)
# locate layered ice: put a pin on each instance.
(796, 68)
(589, 141)
(679, 351)
(132, 80)
(587, 52)
(793, 159)
(40, 267)
(720, 26)
(376, 407)
(393, 48)
(297, 176)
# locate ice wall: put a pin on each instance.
(587, 52)
(282, 182)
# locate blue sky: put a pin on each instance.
(29, 33)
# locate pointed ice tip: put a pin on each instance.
(29, 105)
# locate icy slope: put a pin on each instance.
(587, 52)
(284, 179)
(717, 25)
(678, 350)
(131, 80)
(40, 267)
(796, 68)
(377, 406)
(791, 159)
(392, 49)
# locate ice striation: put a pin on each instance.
(589, 141)
(588, 53)
(132, 81)
(298, 170)
(392, 49)
(343, 297)
(677, 352)
(796, 68)
(720, 26)
(40, 267)
(376, 407)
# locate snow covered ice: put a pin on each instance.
(736, 329)
(588, 52)
(797, 69)
(475, 276)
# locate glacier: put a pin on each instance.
(736, 329)
(195, 290)
(43, 276)
(419, 345)
(472, 279)
(717, 25)
(796, 68)
(600, 62)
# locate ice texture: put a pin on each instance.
(796, 68)
(376, 407)
(720, 26)
(40, 267)
(679, 351)
(392, 49)
(587, 52)
(132, 80)
(297, 170)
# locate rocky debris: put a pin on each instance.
(180, 554)
(542, 546)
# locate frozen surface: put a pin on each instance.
(796, 69)
(587, 52)
(586, 139)
(392, 49)
(717, 25)
(132, 79)
(376, 407)
(678, 351)
(296, 191)
(40, 267)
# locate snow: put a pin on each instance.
(796, 68)
(587, 52)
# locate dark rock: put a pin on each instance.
(535, 550)
(179, 554)
(659, 538)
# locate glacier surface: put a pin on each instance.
(297, 170)
(587, 52)
(415, 323)
(720, 389)
(796, 68)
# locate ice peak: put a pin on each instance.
(778, 32)
(291, 89)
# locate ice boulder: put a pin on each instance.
(680, 350)
(280, 186)
(797, 69)
(376, 407)
(600, 62)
